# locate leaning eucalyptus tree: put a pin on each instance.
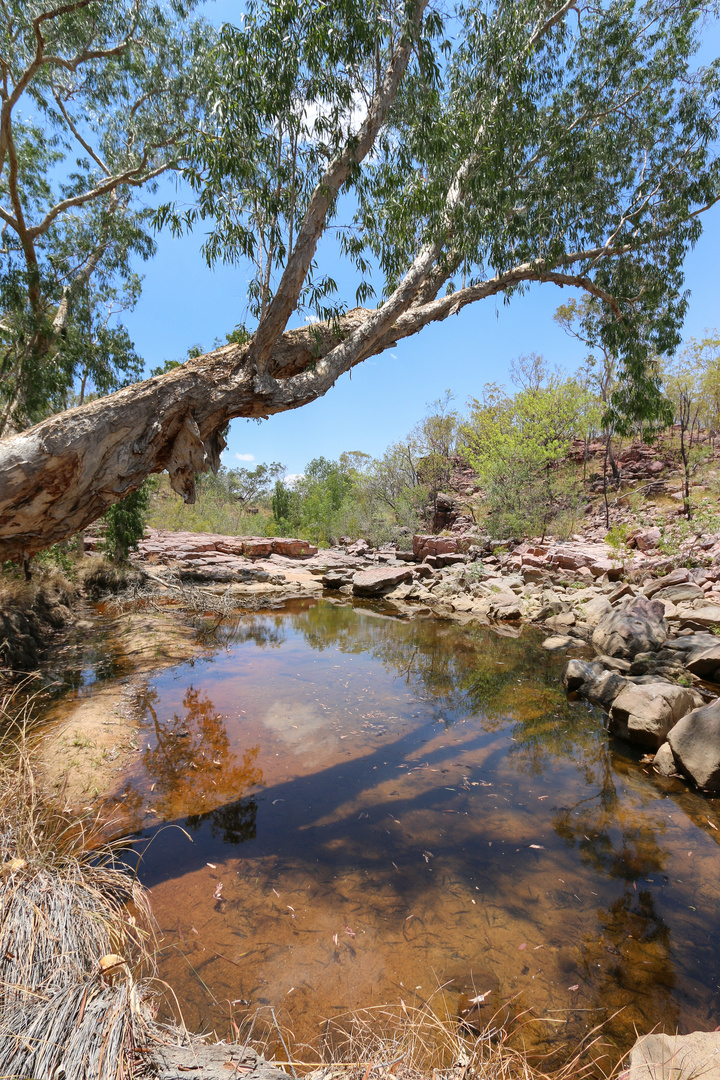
(568, 142)
(95, 99)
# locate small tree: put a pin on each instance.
(125, 523)
(517, 444)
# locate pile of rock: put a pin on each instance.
(642, 676)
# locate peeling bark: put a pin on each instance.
(65, 472)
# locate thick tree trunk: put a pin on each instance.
(64, 473)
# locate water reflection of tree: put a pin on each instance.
(265, 631)
(462, 671)
(233, 824)
(629, 961)
(190, 767)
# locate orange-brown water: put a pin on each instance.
(370, 809)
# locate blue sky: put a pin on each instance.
(183, 303)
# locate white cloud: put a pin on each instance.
(293, 477)
(245, 457)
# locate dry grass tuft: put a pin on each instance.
(75, 931)
(430, 1042)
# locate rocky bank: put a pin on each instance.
(640, 634)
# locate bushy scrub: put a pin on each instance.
(518, 445)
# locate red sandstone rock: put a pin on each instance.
(292, 548)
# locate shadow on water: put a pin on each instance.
(368, 808)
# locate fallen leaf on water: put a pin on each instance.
(218, 891)
(711, 824)
(541, 797)
(479, 999)
(575, 987)
(523, 946)
(277, 801)
(537, 847)
(427, 856)
(335, 939)
(349, 931)
(538, 947)
(212, 865)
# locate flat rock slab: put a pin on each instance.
(701, 618)
(373, 582)
(558, 643)
(679, 594)
(676, 1057)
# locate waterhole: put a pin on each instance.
(339, 809)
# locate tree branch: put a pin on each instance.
(129, 178)
(356, 149)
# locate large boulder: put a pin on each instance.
(593, 681)
(640, 628)
(695, 743)
(505, 607)
(376, 581)
(293, 549)
(644, 714)
(440, 545)
(645, 539)
(595, 608)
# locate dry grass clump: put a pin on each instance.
(431, 1042)
(101, 577)
(74, 932)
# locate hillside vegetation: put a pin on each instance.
(547, 457)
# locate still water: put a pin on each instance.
(371, 809)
